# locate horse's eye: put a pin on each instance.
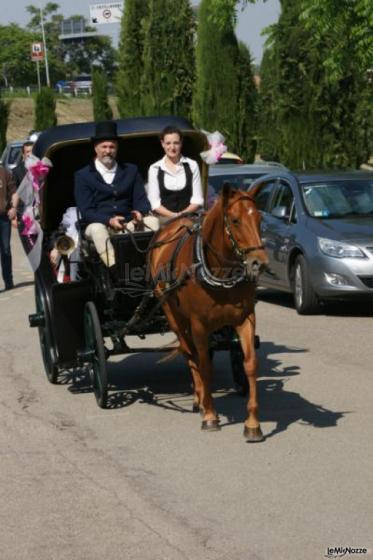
(236, 222)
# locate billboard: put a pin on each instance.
(37, 52)
(105, 12)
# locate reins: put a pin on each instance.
(156, 244)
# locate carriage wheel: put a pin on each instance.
(238, 370)
(95, 345)
(46, 338)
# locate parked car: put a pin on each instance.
(82, 84)
(12, 154)
(64, 86)
(239, 176)
(318, 233)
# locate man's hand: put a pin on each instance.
(12, 213)
(136, 216)
(117, 223)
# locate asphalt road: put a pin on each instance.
(140, 481)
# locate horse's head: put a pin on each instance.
(241, 221)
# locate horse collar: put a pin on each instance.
(207, 277)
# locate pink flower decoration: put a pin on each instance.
(38, 172)
(29, 226)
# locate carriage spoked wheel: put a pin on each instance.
(95, 348)
(47, 343)
(238, 371)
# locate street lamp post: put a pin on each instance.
(45, 46)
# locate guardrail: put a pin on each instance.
(29, 91)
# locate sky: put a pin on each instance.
(251, 21)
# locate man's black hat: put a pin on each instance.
(106, 130)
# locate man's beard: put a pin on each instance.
(108, 161)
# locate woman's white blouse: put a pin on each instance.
(174, 181)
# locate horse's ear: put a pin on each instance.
(252, 192)
(226, 193)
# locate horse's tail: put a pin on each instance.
(170, 355)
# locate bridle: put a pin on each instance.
(240, 252)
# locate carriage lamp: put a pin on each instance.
(339, 250)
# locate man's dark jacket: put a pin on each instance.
(19, 172)
(98, 201)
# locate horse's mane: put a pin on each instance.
(214, 219)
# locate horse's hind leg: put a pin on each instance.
(181, 328)
(246, 332)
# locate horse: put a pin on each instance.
(212, 265)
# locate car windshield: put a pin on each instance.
(338, 199)
(238, 181)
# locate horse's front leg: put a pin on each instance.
(201, 369)
(246, 332)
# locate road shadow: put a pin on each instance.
(17, 286)
(167, 385)
(330, 308)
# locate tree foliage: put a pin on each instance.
(348, 29)
(247, 104)
(313, 118)
(130, 58)
(4, 117)
(225, 94)
(214, 105)
(224, 12)
(15, 56)
(101, 108)
(69, 59)
(45, 109)
(168, 57)
(337, 20)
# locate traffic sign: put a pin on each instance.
(106, 12)
(37, 52)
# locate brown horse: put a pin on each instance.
(212, 267)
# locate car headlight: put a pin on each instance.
(339, 250)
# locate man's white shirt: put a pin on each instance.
(107, 174)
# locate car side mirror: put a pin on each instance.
(280, 212)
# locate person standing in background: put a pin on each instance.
(7, 213)
(20, 170)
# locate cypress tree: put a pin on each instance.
(268, 126)
(315, 119)
(4, 118)
(130, 58)
(101, 108)
(168, 75)
(215, 95)
(45, 109)
(246, 113)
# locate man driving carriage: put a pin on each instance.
(110, 195)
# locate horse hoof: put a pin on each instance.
(210, 426)
(253, 435)
(195, 407)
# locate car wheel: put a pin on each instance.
(305, 298)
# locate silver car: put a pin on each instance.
(240, 176)
(12, 154)
(318, 233)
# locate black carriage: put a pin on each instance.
(84, 322)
